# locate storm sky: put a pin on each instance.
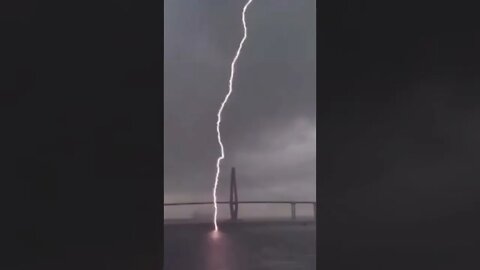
(268, 126)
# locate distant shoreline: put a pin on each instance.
(298, 220)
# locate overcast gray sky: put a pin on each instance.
(268, 126)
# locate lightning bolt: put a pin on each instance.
(219, 114)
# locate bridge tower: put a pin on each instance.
(233, 196)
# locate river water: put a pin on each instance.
(240, 247)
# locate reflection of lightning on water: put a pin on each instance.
(219, 114)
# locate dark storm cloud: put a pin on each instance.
(269, 123)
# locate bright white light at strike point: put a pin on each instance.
(219, 114)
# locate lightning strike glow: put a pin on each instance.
(219, 114)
